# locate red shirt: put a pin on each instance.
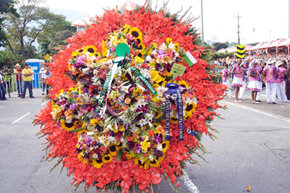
(18, 76)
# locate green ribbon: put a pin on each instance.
(108, 82)
(146, 82)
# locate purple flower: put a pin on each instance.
(80, 60)
(161, 53)
(158, 153)
(88, 140)
(157, 138)
(73, 106)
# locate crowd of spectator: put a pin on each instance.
(23, 80)
(254, 73)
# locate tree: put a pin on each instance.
(220, 45)
(10, 59)
(55, 35)
(26, 29)
(6, 6)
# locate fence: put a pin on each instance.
(36, 83)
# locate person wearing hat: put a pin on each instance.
(271, 72)
(281, 82)
(26, 73)
(17, 72)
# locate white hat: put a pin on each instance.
(278, 63)
(270, 61)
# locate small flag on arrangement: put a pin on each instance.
(241, 51)
(189, 59)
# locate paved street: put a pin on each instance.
(252, 149)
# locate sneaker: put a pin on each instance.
(256, 102)
(32, 97)
(42, 93)
(273, 102)
(238, 101)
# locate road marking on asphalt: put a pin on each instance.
(20, 118)
(261, 112)
(189, 184)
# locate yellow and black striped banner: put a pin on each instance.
(240, 51)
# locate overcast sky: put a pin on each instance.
(261, 20)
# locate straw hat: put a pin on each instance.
(278, 63)
(270, 61)
(17, 65)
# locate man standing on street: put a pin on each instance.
(271, 73)
(17, 72)
(27, 72)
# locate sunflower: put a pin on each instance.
(91, 49)
(165, 146)
(97, 163)
(126, 28)
(135, 32)
(104, 48)
(154, 163)
(168, 40)
(139, 40)
(67, 126)
(69, 67)
(113, 150)
(183, 84)
(176, 46)
(107, 158)
(189, 109)
(81, 158)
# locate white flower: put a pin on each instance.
(95, 155)
(151, 157)
(171, 46)
(143, 122)
(159, 147)
(149, 116)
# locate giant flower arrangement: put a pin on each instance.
(118, 116)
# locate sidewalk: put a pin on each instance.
(281, 109)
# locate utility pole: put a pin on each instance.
(202, 30)
(238, 29)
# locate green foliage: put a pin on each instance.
(10, 59)
(34, 24)
(6, 6)
(217, 55)
(220, 45)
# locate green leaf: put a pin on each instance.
(120, 154)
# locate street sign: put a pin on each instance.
(241, 51)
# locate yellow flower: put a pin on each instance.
(91, 49)
(155, 76)
(94, 122)
(136, 33)
(176, 46)
(154, 163)
(168, 40)
(145, 145)
(139, 60)
(113, 150)
(97, 163)
(137, 92)
(104, 48)
(189, 109)
(165, 146)
(183, 84)
(81, 158)
(107, 158)
(67, 126)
